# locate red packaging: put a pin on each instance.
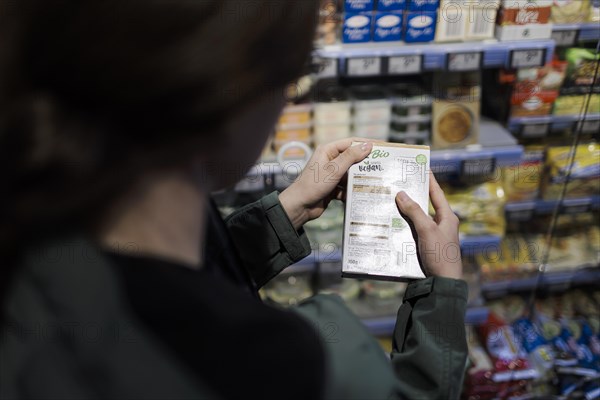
(532, 103)
(502, 346)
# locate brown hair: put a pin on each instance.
(93, 93)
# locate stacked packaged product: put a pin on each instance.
(464, 20)
(480, 207)
(575, 11)
(550, 349)
(456, 109)
(582, 71)
(524, 20)
(519, 255)
(412, 21)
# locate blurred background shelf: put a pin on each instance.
(541, 126)
(558, 281)
(571, 33)
(433, 56)
(526, 210)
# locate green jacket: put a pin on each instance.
(68, 284)
(429, 352)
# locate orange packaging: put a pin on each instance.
(527, 104)
(523, 16)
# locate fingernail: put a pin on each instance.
(402, 196)
(364, 146)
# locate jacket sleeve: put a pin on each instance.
(266, 239)
(429, 349)
(429, 354)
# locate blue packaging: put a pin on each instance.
(420, 27)
(530, 338)
(423, 5)
(387, 26)
(357, 28)
(354, 6)
(391, 5)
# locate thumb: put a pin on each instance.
(351, 156)
(415, 213)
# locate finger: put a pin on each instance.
(349, 157)
(438, 199)
(334, 149)
(407, 206)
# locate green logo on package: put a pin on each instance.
(397, 223)
(421, 159)
(379, 154)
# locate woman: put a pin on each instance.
(118, 119)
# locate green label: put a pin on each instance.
(397, 223)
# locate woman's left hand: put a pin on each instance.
(320, 181)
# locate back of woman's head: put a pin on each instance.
(94, 93)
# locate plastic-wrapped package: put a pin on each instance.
(479, 207)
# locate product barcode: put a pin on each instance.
(480, 25)
(454, 28)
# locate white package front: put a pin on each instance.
(378, 242)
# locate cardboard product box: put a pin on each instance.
(391, 5)
(452, 24)
(354, 6)
(549, 77)
(387, 26)
(455, 123)
(420, 26)
(378, 241)
(525, 3)
(482, 21)
(466, 20)
(523, 32)
(530, 104)
(357, 28)
(531, 13)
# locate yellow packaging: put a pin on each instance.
(574, 105)
(479, 207)
(585, 174)
(522, 181)
(570, 11)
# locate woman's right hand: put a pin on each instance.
(437, 238)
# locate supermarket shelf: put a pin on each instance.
(434, 55)
(582, 32)
(525, 210)
(385, 326)
(497, 148)
(558, 280)
(540, 126)
(475, 244)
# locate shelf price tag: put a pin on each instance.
(565, 38)
(460, 62)
(527, 58)
(576, 207)
(589, 126)
(364, 66)
(524, 213)
(404, 65)
(480, 167)
(535, 130)
(327, 67)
